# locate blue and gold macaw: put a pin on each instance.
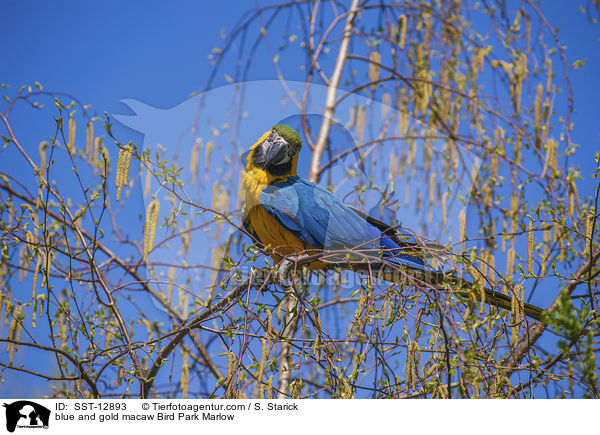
(293, 216)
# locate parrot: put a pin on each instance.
(292, 216)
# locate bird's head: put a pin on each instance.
(276, 152)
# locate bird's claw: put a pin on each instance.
(285, 267)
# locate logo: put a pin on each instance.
(26, 414)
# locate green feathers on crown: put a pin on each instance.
(289, 134)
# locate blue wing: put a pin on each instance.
(319, 218)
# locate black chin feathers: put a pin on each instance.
(281, 169)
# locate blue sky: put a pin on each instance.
(103, 52)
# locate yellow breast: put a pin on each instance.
(269, 231)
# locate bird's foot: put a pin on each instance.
(285, 267)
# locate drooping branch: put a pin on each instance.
(529, 338)
(257, 280)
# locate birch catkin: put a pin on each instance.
(14, 332)
(550, 160)
(351, 117)
(148, 179)
(194, 162)
(34, 312)
(409, 366)
(185, 371)
(385, 308)
(360, 122)
(375, 58)
(492, 265)
(431, 195)
(402, 30)
(123, 169)
(11, 332)
(2, 295)
(548, 74)
(269, 323)
(89, 141)
(231, 363)
(72, 128)
(97, 147)
(317, 345)
(270, 387)
(150, 228)
(538, 106)
(546, 253)
(483, 261)
(385, 106)
(280, 310)
(42, 298)
(517, 308)
(427, 90)
(392, 172)
(530, 248)
(588, 233)
(263, 359)
(444, 211)
(403, 123)
(207, 153)
(43, 147)
(462, 222)
(478, 286)
(38, 264)
(510, 259)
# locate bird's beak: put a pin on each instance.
(275, 153)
